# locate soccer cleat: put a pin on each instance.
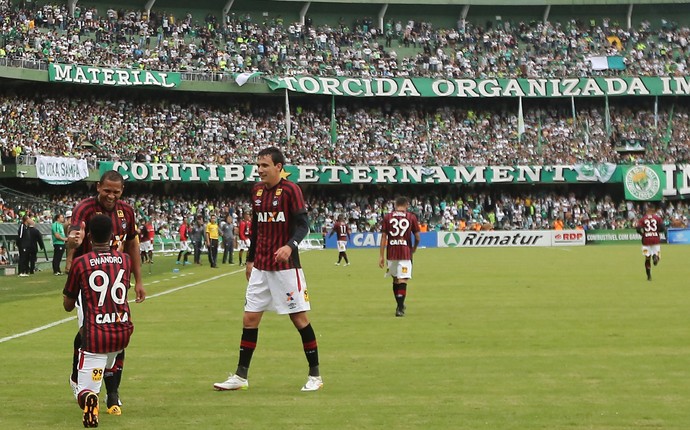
(314, 383)
(233, 382)
(178, 262)
(74, 386)
(649, 277)
(115, 410)
(347, 264)
(400, 311)
(23, 275)
(337, 264)
(90, 417)
(655, 259)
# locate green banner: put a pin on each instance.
(134, 171)
(612, 236)
(112, 77)
(644, 182)
(475, 88)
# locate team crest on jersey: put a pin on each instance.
(275, 202)
(259, 192)
(306, 296)
(124, 225)
(279, 191)
(120, 213)
(257, 202)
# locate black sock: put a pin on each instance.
(247, 347)
(112, 378)
(311, 350)
(345, 257)
(400, 291)
(180, 255)
(75, 357)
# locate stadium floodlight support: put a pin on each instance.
(382, 14)
(226, 10)
(303, 12)
(148, 6)
(71, 5)
(547, 12)
(463, 16)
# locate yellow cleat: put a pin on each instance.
(115, 410)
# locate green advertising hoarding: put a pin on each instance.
(484, 88)
(111, 77)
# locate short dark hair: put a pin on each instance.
(401, 201)
(112, 175)
(275, 153)
(100, 228)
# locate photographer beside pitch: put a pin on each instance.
(125, 237)
(100, 280)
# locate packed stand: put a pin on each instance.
(162, 41)
(450, 210)
(214, 131)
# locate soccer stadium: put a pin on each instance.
(534, 141)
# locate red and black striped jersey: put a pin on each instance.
(102, 279)
(273, 223)
(341, 230)
(651, 227)
(399, 227)
(245, 230)
(124, 224)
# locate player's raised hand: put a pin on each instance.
(76, 236)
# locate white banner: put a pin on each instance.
(513, 238)
(61, 170)
(568, 238)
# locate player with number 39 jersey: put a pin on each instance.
(397, 230)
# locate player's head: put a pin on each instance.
(247, 215)
(100, 229)
(270, 162)
(341, 218)
(650, 208)
(110, 189)
(401, 202)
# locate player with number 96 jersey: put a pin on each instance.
(103, 279)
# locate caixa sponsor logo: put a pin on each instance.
(568, 237)
(366, 240)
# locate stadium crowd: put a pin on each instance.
(217, 131)
(130, 39)
(452, 211)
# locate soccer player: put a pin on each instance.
(184, 243)
(342, 230)
(245, 232)
(274, 273)
(124, 237)
(650, 226)
(100, 278)
(396, 242)
(145, 244)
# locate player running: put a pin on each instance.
(650, 226)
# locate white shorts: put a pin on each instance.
(92, 367)
(282, 291)
(401, 269)
(342, 245)
(184, 246)
(649, 250)
(243, 245)
(146, 246)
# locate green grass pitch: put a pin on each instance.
(547, 338)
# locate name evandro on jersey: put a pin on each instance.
(105, 259)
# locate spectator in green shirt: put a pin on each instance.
(58, 236)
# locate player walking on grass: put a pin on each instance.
(245, 233)
(342, 232)
(397, 245)
(650, 226)
(100, 278)
(275, 276)
(124, 237)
